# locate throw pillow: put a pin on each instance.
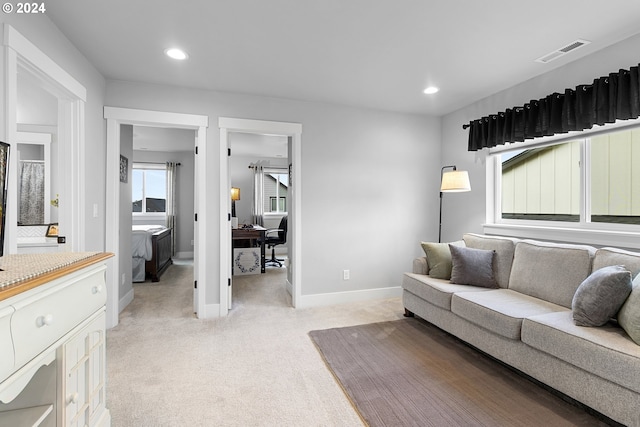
(600, 296)
(472, 267)
(629, 314)
(438, 258)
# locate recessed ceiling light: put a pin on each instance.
(431, 90)
(176, 54)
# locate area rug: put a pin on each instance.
(410, 373)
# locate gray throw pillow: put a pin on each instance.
(600, 296)
(472, 267)
(629, 314)
(438, 258)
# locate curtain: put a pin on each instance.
(607, 99)
(257, 208)
(31, 192)
(171, 202)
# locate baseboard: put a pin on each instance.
(210, 311)
(125, 301)
(289, 287)
(184, 255)
(336, 298)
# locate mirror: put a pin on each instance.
(4, 158)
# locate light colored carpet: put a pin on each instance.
(256, 367)
(410, 373)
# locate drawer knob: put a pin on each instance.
(44, 320)
(73, 398)
(96, 289)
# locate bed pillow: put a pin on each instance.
(600, 296)
(472, 267)
(629, 314)
(438, 259)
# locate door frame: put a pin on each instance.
(118, 116)
(293, 131)
(21, 54)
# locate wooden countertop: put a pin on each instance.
(21, 272)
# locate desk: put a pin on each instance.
(256, 233)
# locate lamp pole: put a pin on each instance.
(440, 224)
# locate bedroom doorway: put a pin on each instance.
(114, 243)
(293, 132)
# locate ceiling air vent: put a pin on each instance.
(562, 51)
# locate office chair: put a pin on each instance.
(274, 237)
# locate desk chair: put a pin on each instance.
(274, 237)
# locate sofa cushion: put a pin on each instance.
(500, 310)
(420, 265)
(629, 314)
(600, 296)
(436, 291)
(550, 271)
(613, 256)
(504, 248)
(606, 351)
(472, 267)
(439, 258)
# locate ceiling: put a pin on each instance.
(377, 54)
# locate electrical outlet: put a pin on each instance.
(124, 277)
(345, 274)
(191, 242)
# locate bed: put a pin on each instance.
(150, 251)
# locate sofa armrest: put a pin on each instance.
(420, 265)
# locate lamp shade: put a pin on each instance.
(235, 193)
(455, 182)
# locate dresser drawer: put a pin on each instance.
(6, 344)
(44, 317)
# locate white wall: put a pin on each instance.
(465, 212)
(384, 163)
(126, 264)
(39, 30)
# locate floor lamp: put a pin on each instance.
(453, 181)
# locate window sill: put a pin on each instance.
(587, 236)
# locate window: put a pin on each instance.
(149, 188)
(549, 183)
(276, 190)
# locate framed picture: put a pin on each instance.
(52, 230)
(124, 169)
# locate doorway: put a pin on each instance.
(293, 132)
(115, 118)
(26, 63)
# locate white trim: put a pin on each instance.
(623, 239)
(334, 298)
(184, 255)
(47, 67)
(20, 53)
(294, 131)
(115, 117)
(125, 301)
(210, 311)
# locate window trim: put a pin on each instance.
(599, 234)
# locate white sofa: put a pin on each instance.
(527, 322)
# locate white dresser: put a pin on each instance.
(52, 340)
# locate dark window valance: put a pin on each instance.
(607, 99)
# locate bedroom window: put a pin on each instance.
(149, 188)
(590, 180)
(276, 191)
